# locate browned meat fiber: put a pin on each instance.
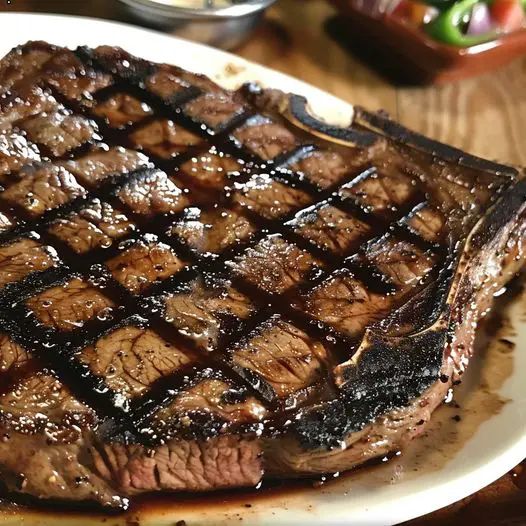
(202, 288)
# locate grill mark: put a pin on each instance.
(120, 295)
(16, 374)
(139, 305)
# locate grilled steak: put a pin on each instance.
(201, 288)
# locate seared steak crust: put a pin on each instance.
(195, 293)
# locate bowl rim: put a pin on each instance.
(163, 7)
(419, 38)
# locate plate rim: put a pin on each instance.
(225, 55)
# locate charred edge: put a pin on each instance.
(298, 109)
(392, 376)
(329, 424)
(85, 55)
(449, 153)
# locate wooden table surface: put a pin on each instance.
(484, 115)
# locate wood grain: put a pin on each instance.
(485, 115)
(293, 39)
(503, 503)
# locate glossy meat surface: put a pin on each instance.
(200, 288)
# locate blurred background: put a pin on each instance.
(453, 70)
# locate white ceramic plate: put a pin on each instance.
(455, 460)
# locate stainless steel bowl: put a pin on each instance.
(221, 23)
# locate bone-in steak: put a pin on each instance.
(200, 288)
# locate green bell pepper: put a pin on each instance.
(446, 26)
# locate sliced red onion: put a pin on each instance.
(480, 21)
